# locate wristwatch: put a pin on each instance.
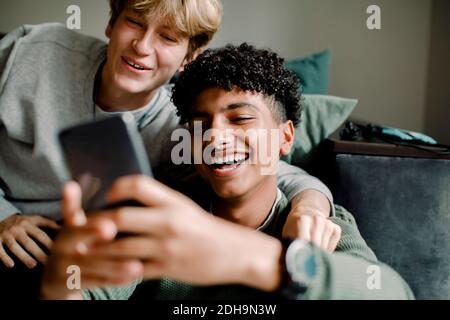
(299, 267)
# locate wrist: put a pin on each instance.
(299, 268)
(263, 269)
(311, 202)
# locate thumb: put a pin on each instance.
(72, 211)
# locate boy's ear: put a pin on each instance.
(287, 136)
(192, 58)
(108, 30)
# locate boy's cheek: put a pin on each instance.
(196, 149)
(265, 150)
(270, 168)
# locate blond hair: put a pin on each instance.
(196, 19)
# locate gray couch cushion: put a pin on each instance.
(402, 207)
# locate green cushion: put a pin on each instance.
(313, 72)
(322, 115)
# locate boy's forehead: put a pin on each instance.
(167, 22)
(219, 100)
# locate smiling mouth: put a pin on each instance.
(135, 65)
(228, 163)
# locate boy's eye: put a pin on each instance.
(132, 21)
(169, 38)
(242, 119)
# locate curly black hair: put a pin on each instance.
(243, 67)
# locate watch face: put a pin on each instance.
(301, 262)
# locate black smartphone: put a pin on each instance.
(97, 153)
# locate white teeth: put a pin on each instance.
(135, 65)
(228, 160)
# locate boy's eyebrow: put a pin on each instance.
(238, 105)
(232, 106)
(138, 13)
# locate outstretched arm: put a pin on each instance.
(353, 271)
(292, 181)
(311, 206)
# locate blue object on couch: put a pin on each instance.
(313, 71)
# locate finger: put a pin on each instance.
(71, 205)
(20, 253)
(44, 222)
(92, 272)
(110, 269)
(130, 248)
(317, 231)
(334, 240)
(291, 227)
(327, 233)
(304, 227)
(31, 246)
(39, 235)
(77, 240)
(153, 270)
(145, 190)
(137, 220)
(5, 258)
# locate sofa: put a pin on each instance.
(400, 198)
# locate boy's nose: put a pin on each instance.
(144, 46)
(221, 137)
(214, 139)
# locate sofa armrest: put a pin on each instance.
(401, 203)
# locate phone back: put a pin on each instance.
(98, 153)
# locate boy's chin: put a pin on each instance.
(137, 86)
(229, 192)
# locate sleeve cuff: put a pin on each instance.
(7, 209)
